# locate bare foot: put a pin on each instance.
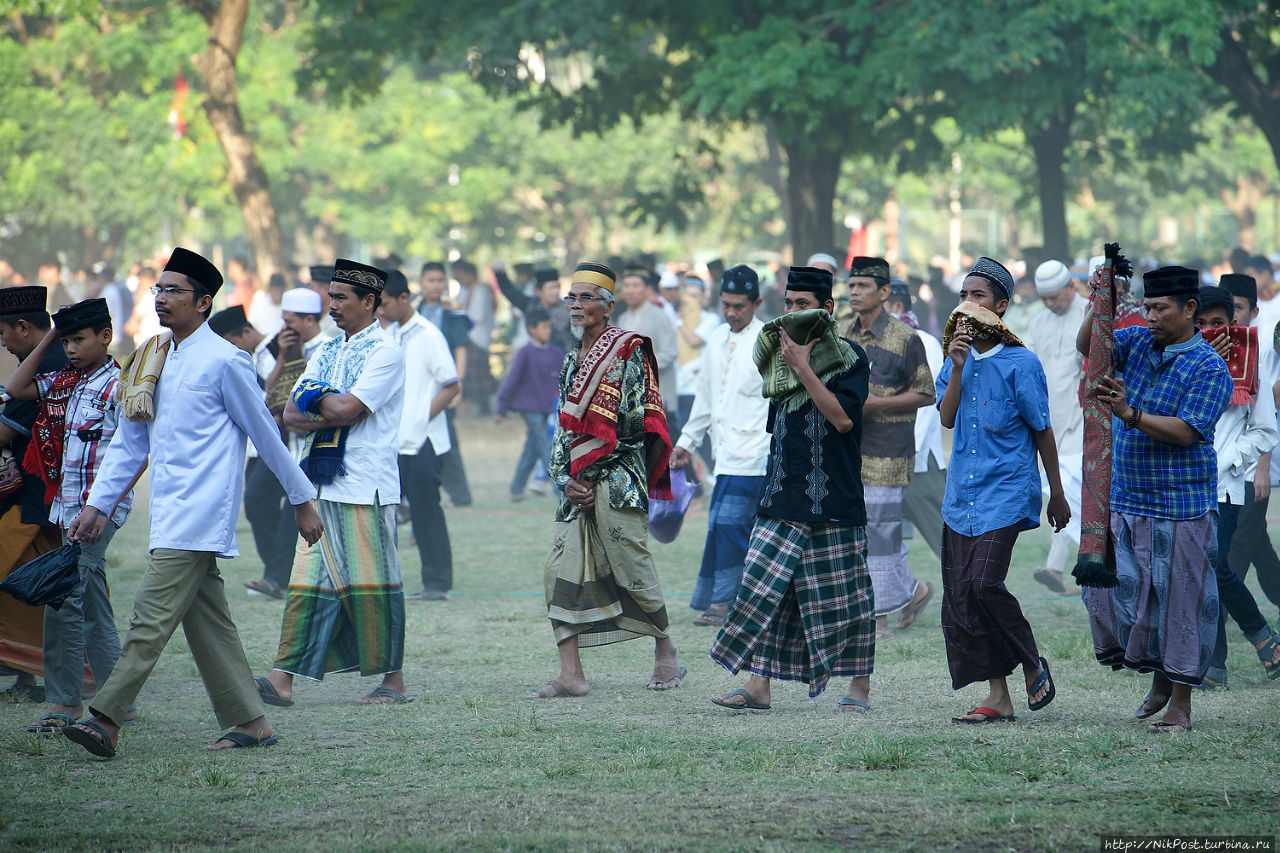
(563, 686)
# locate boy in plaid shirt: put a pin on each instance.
(78, 417)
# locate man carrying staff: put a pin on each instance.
(1169, 391)
(992, 393)
(609, 457)
(345, 606)
(204, 399)
(728, 403)
(900, 383)
(805, 611)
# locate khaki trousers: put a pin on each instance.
(183, 587)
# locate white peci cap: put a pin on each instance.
(1052, 276)
(301, 300)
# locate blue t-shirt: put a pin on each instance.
(993, 480)
(1188, 381)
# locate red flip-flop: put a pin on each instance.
(989, 715)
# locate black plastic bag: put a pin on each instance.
(48, 579)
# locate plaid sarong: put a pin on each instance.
(805, 610)
(600, 581)
(345, 607)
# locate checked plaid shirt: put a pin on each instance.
(1188, 381)
(92, 417)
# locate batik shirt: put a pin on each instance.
(814, 474)
(1188, 381)
(90, 424)
(625, 467)
(898, 365)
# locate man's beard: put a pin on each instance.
(577, 332)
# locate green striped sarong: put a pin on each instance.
(345, 607)
(600, 580)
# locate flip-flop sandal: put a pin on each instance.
(1266, 653)
(24, 693)
(680, 674)
(268, 692)
(989, 715)
(374, 696)
(104, 748)
(847, 704)
(1050, 579)
(1043, 679)
(51, 724)
(1143, 712)
(559, 691)
(244, 741)
(265, 587)
(748, 704)
(912, 611)
(1163, 728)
(711, 618)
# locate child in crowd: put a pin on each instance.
(77, 419)
(530, 389)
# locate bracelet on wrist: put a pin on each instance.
(1135, 415)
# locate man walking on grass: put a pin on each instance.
(196, 398)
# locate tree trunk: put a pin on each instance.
(812, 172)
(1243, 204)
(1049, 144)
(217, 65)
(1233, 69)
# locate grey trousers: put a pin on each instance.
(183, 588)
(84, 624)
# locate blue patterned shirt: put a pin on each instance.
(993, 481)
(1188, 381)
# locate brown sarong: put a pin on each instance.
(600, 580)
(985, 632)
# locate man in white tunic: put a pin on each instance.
(644, 315)
(1052, 337)
(728, 402)
(206, 401)
(345, 607)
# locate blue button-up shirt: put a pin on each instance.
(993, 480)
(1188, 381)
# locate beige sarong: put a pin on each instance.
(600, 580)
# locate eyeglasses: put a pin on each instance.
(169, 290)
(582, 298)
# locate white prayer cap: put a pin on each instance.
(823, 258)
(669, 279)
(300, 300)
(1052, 276)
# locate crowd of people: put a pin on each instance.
(810, 408)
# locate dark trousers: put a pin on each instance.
(922, 504)
(275, 533)
(537, 450)
(1234, 596)
(420, 483)
(1252, 546)
(453, 477)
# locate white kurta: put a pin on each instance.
(207, 401)
(1268, 363)
(728, 402)
(1052, 337)
(1242, 434)
(371, 459)
(928, 421)
(428, 367)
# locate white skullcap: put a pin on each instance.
(1052, 276)
(822, 258)
(300, 300)
(669, 279)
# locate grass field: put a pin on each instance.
(473, 765)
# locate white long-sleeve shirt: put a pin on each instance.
(1242, 434)
(928, 421)
(207, 401)
(728, 402)
(652, 321)
(1052, 337)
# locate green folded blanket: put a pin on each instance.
(831, 355)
